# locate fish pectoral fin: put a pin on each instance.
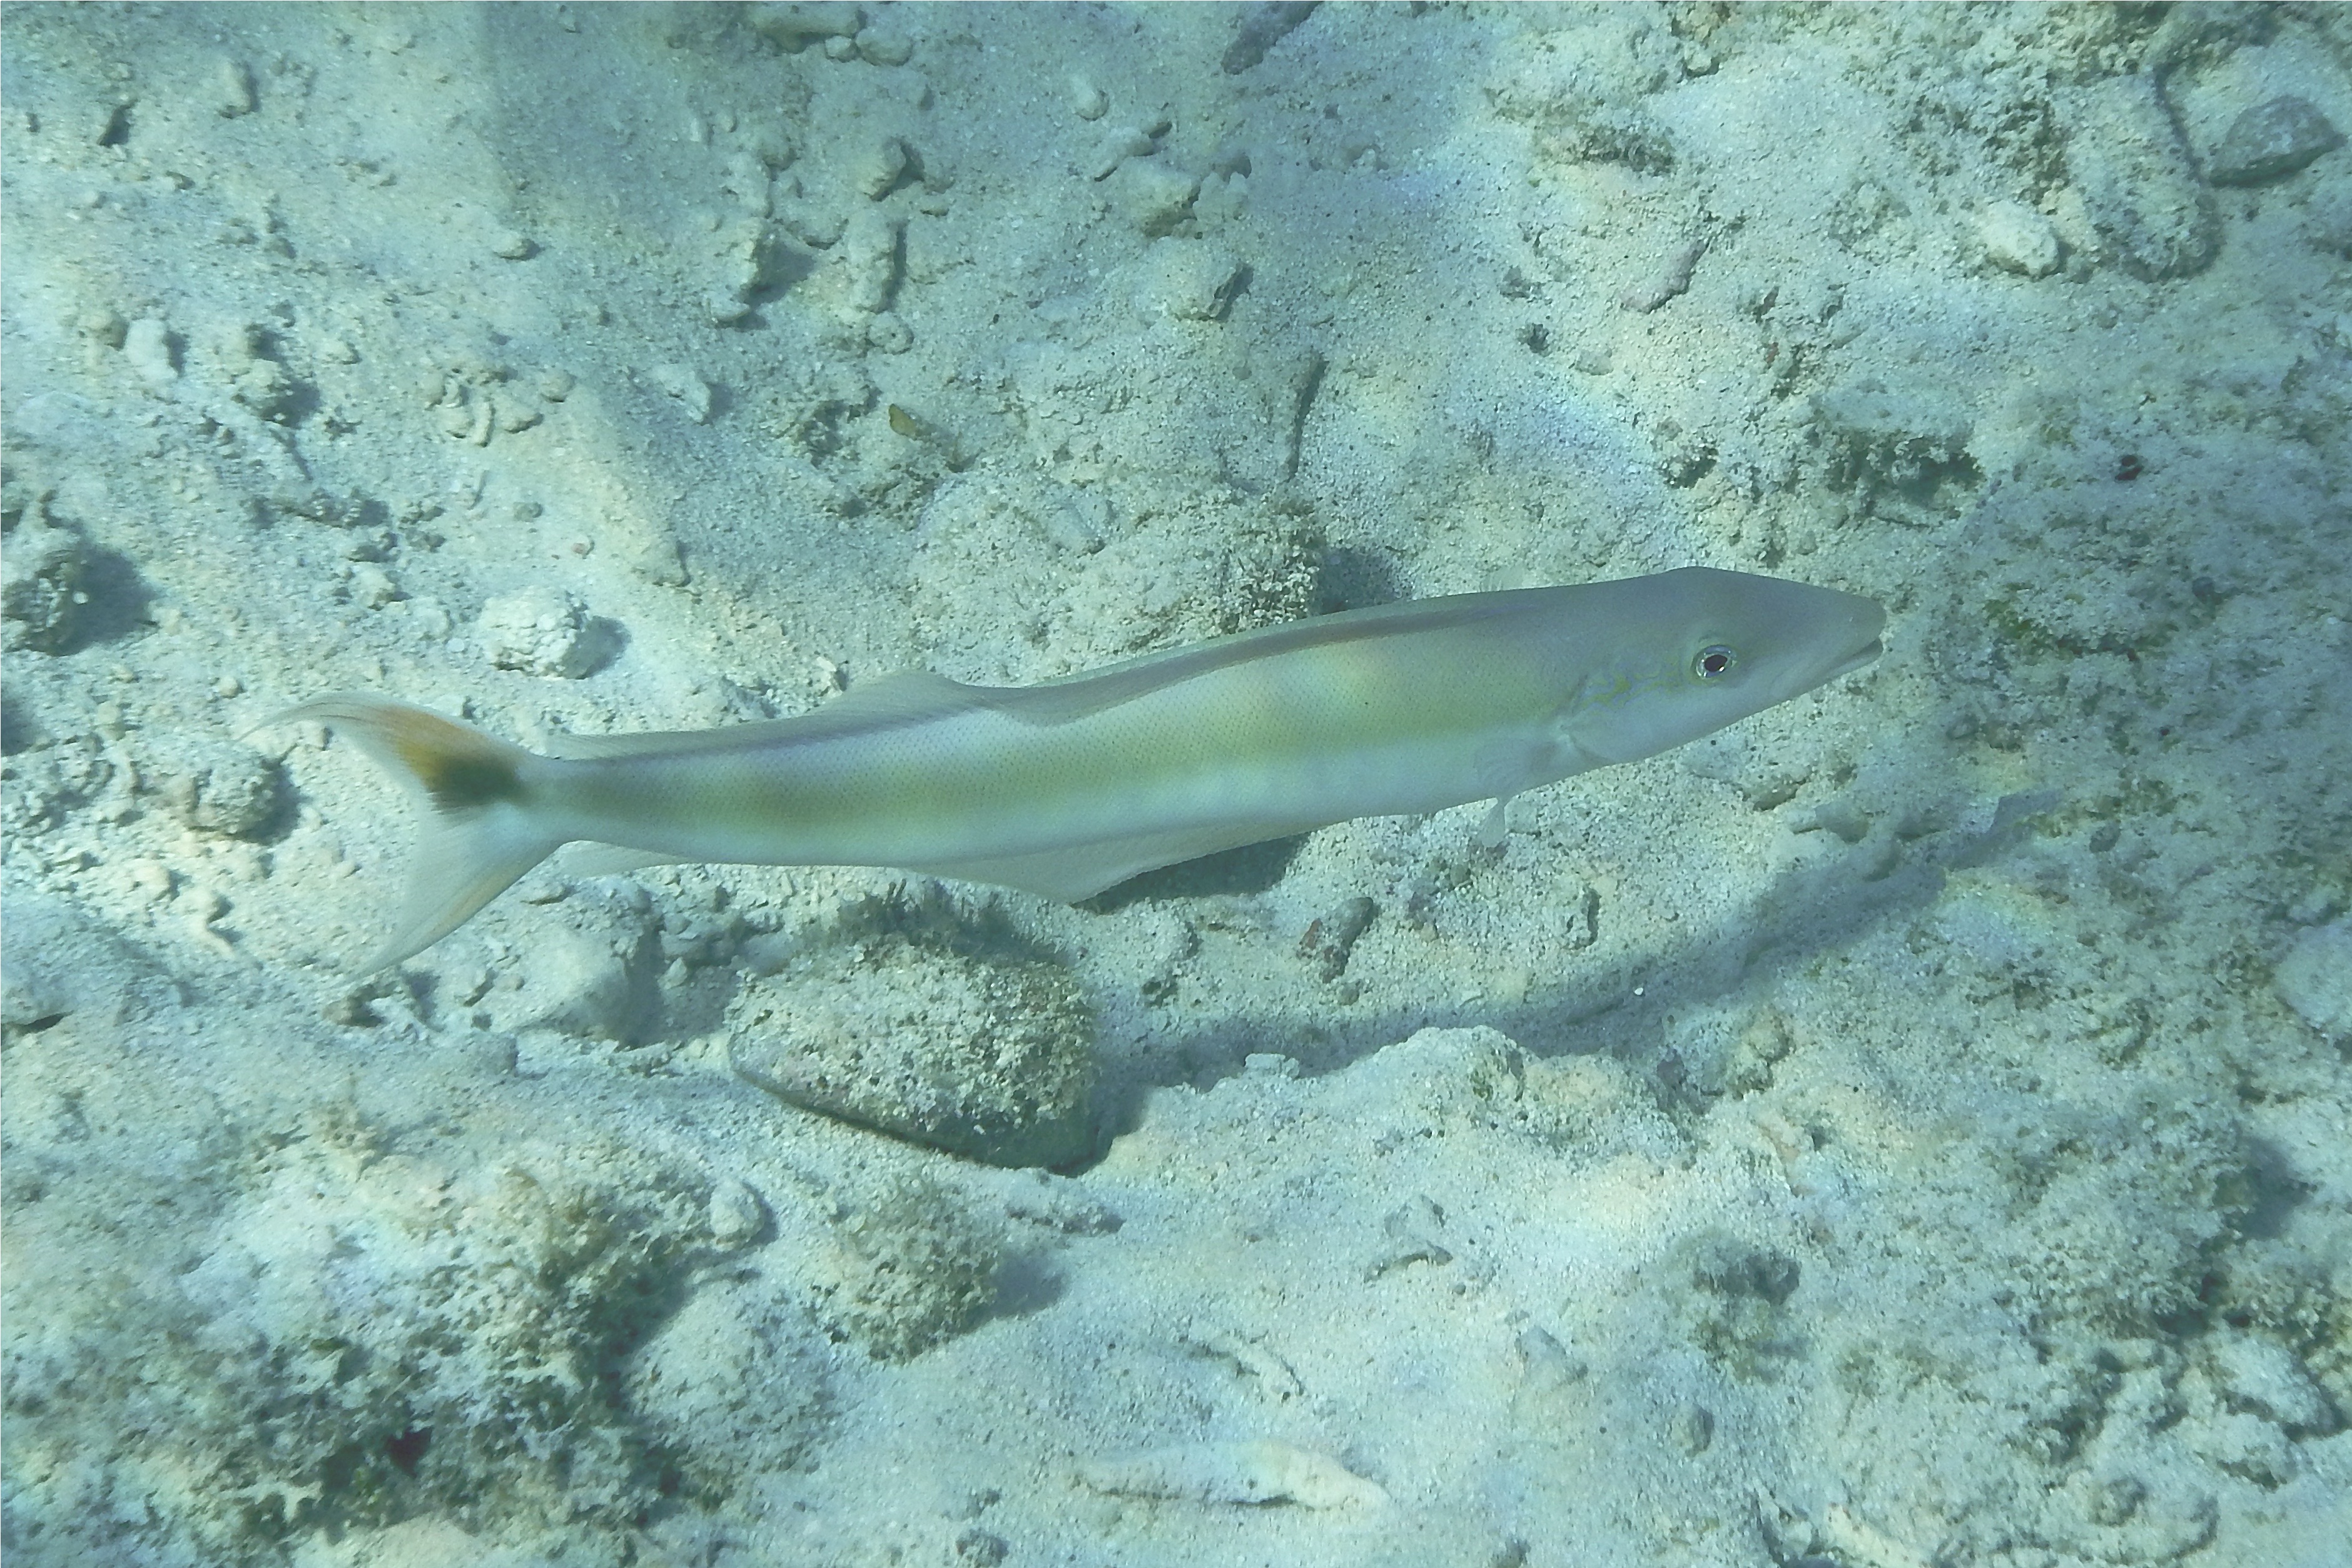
(1508, 764)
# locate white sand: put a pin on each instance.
(1869, 1137)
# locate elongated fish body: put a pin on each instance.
(1067, 788)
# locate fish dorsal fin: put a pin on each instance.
(596, 747)
(1088, 692)
(906, 697)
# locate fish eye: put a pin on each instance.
(1714, 662)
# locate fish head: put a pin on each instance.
(1697, 649)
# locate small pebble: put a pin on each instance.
(540, 631)
(1117, 148)
(867, 262)
(771, 144)
(882, 168)
(1263, 27)
(982, 1549)
(353, 1006)
(150, 879)
(429, 616)
(681, 383)
(1693, 1426)
(492, 1055)
(1157, 198)
(792, 25)
(1548, 1367)
(1412, 1234)
(1673, 281)
(2018, 239)
(1331, 938)
(371, 587)
(877, 48)
(1191, 280)
(103, 326)
(736, 1214)
(232, 88)
(1247, 1473)
(147, 345)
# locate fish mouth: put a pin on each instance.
(1857, 659)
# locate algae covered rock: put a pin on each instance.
(2271, 141)
(357, 1336)
(2139, 186)
(41, 574)
(590, 974)
(1903, 440)
(738, 1371)
(909, 1266)
(63, 960)
(2315, 978)
(987, 1056)
(215, 786)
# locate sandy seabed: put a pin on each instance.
(1911, 1127)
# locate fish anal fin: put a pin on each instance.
(1081, 872)
(906, 694)
(615, 859)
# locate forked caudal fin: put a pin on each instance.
(478, 832)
